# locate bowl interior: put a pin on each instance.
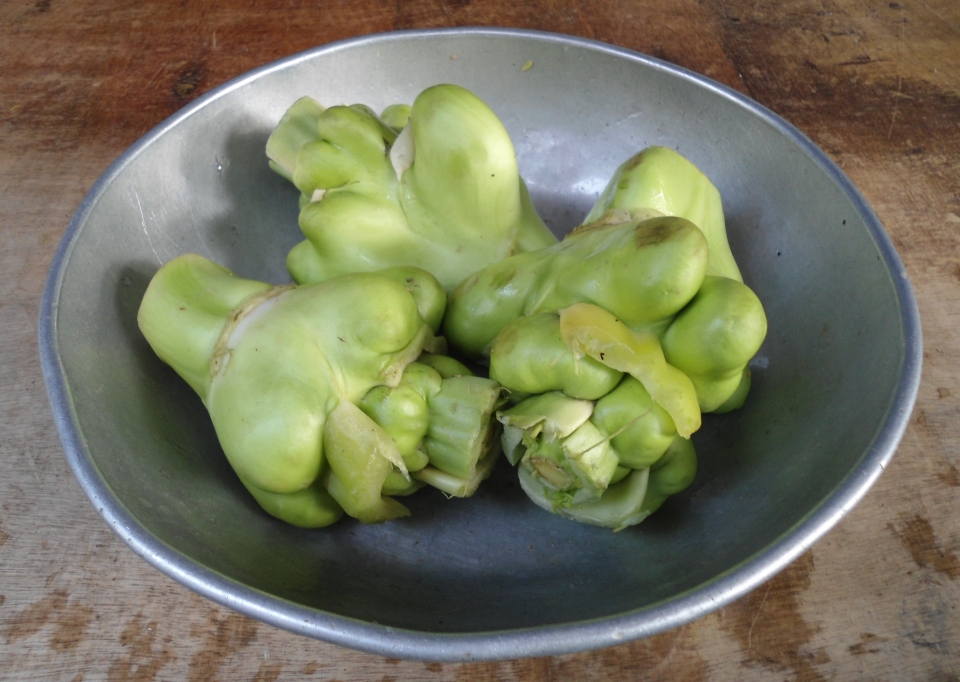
(824, 381)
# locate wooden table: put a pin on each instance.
(876, 84)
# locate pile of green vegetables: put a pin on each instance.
(422, 252)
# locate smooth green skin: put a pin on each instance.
(315, 347)
(426, 291)
(184, 311)
(297, 127)
(445, 365)
(593, 331)
(396, 116)
(670, 474)
(530, 357)
(714, 337)
(360, 455)
(403, 411)
(641, 430)
(270, 380)
(313, 507)
(661, 179)
(739, 396)
(395, 485)
(459, 206)
(643, 272)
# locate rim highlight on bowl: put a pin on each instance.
(491, 577)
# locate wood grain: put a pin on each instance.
(876, 84)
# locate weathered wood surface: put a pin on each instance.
(876, 84)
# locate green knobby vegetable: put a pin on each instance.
(630, 500)
(627, 297)
(662, 180)
(530, 356)
(642, 271)
(610, 463)
(590, 330)
(441, 418)
(308, 386)
(444, 194)
(611, 345)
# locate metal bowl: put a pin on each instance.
(493, 576)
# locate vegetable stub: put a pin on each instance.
(315, 391)
(435, 185)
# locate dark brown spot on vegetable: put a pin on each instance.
(658, 230)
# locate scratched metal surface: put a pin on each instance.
(876, 86)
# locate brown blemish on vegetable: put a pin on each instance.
(223, 637)
(140, 662)
(943, 393)
(655, 231)
(867, 644)
(916, 534)
(950, 477)
(770, 627)
(506, 341)
(434, 667)
(4, 536)
(311, 668)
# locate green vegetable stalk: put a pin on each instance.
(314, 391)
(662, 181)
(643, 272)
(434, 185)
(614, 341)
